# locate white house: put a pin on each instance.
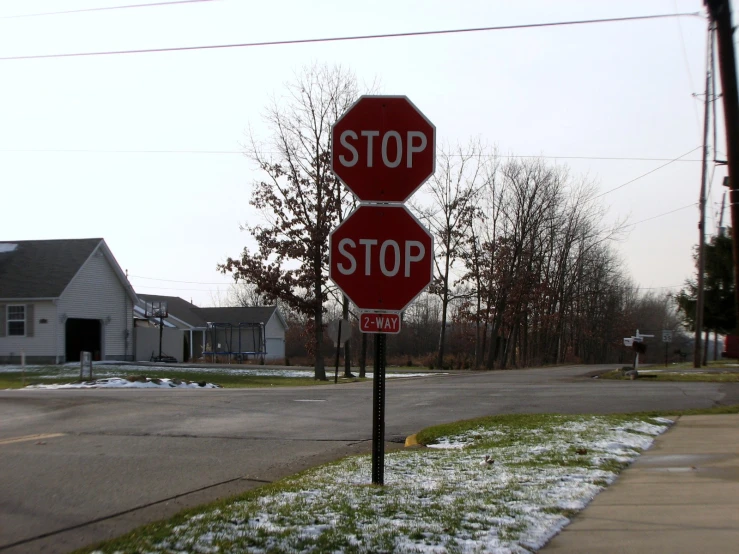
(61, 297)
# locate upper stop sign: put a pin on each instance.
(381, 257)
(383, 148)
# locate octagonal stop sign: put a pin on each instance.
(381, 257)
(383, 148)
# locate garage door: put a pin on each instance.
(275, 348)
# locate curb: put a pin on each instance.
(411, 441)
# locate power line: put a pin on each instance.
(660, 215)
(648, 172)
(176, 288)
(605, 158)
(176, 281)
(240, 152)
(356, 37)
(687, 66)
(218, 290)
(148, 5)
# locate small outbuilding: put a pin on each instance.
(256, 332)
(61, 297)
(183, 333)
(222, 334)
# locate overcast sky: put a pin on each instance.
(621, 90)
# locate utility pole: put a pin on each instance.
(697, 358)
(720, 13)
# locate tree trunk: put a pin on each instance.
(347, 344)
(506, 341)
(715, 346)
(494, 345)
(485, 334)
(320, 369)
(477, 330)
(705, 348)
(513, 345)
(494, 338)
(363, 356)
(525, 341)
(442, 332)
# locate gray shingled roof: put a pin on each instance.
(179, 308)
(255, 314)
(41, 268)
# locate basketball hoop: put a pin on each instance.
(157, 309)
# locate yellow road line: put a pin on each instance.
(31, 438)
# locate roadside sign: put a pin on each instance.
(379, 322)
(383, 148)
(666, 336)
(332, 330)
(381, 257)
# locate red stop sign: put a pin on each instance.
(381, 257)
(383, 148)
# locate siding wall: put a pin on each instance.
(275, 333)
(275, 349)
(40, 347)
(147, 343)
(97, 293)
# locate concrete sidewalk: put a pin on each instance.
(680, 496)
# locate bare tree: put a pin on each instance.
(452, 190)
(299, 196)
(475, 250)
(245, 295)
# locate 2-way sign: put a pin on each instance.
(383, 148)
(381, 257)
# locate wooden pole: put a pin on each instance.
(720, 14)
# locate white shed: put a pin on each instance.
(256, 329)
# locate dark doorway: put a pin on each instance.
(82, 335)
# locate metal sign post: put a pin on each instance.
(667, 339)
(378, 412)
(85, 362)
(339, 331)
(338, 349)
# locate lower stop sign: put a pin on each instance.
(381, 257)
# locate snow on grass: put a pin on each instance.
(435, 500)
(121, 383)
(115, 369)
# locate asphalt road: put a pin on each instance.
(80, 466)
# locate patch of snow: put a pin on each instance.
(7, 247)
(119, 383)
(115, 368)
(435, 500)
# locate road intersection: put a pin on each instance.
(86, 465)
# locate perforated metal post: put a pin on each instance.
(338, 350)
(378, 412)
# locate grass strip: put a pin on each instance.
(14, 380)
(544, 469)
(651, 374)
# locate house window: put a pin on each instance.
(16, 321)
